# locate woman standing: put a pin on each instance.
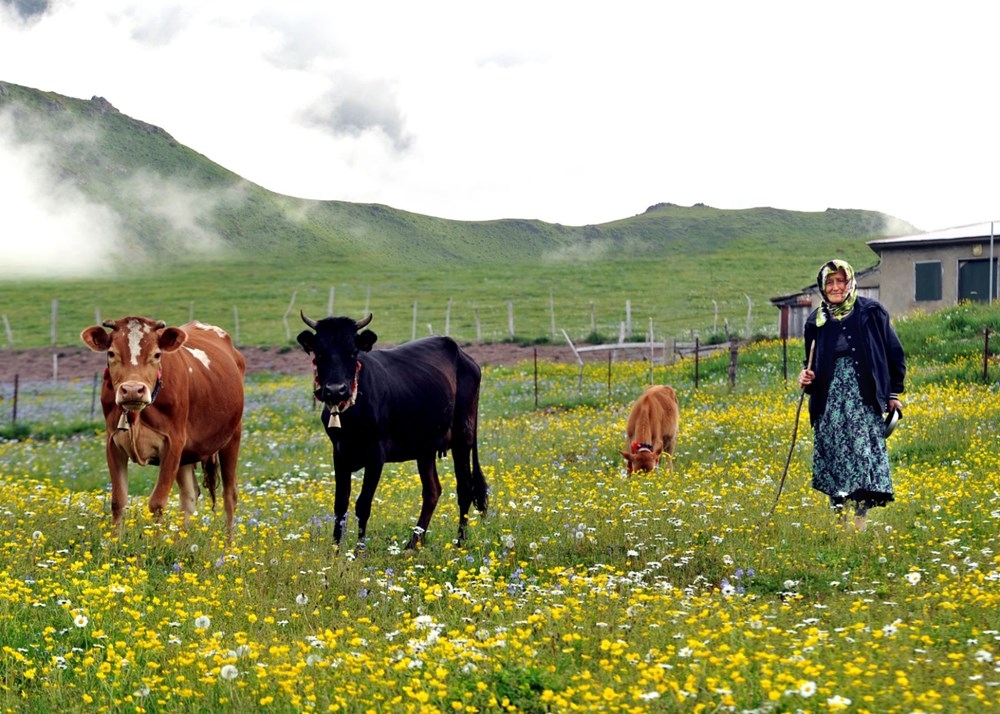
(856, 376)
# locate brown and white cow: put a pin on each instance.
(173, 397)
(652, 429)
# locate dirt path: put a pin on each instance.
(81, 363)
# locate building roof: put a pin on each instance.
(974, 232)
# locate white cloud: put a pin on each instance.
(569, 112)
(50, 228)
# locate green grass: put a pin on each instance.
(582, 589)
(232, 248)
(470, 302)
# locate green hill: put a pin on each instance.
(223, 242)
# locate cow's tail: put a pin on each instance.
(480, 489)
(469, 379)
(210, 470)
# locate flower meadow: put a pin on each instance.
(581, 590)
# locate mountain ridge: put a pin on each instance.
(163, 201)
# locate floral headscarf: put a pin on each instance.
(829, 310)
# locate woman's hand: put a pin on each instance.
(806, 377)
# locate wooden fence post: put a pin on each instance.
(552, 312)
(13, 415)
(10, 334)
(291, 304)
(697, 349)
(734, 350)
(986, 354)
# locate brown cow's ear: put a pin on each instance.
(365, 340)
(627, 455)
(171, 339)
(96, 338)
(307, 339)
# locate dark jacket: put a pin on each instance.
(879, 359)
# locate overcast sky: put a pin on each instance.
(569, 112)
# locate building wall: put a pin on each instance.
(898, 274)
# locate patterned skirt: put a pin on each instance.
(850, 461)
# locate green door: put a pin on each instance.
(974, 280)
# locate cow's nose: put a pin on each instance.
(333, 393)
(132, 393)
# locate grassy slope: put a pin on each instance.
(684, 268)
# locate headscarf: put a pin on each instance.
(829, 310)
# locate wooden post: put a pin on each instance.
(536, 378)
(479, 326)
(609, 375)
(13, 416)
(10, 335)
(93, 396)
(986, 354)
(510, 318)
(413, 327)
(652, 351)
(447, 318)
(291, 304)
(329, 302)
(784, 357)
(696, 350)
(734, 349)
(55, 320)
(552, 312)
(749, 310)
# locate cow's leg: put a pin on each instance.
(363, 508)
(228, 458)
(118, 470)
(431, 493)
(668, 449)
(188, 489)
(170, 462)
(341, 499)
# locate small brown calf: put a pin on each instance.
(652, 429)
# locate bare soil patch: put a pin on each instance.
(82, 363)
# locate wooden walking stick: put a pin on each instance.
(795, 432)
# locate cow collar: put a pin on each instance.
(638, 446)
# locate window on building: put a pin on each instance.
(928, 280)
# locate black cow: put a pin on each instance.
(410, 402)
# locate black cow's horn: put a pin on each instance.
(311, 323)
(363, 323)
(110, 324)
(160, 324)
